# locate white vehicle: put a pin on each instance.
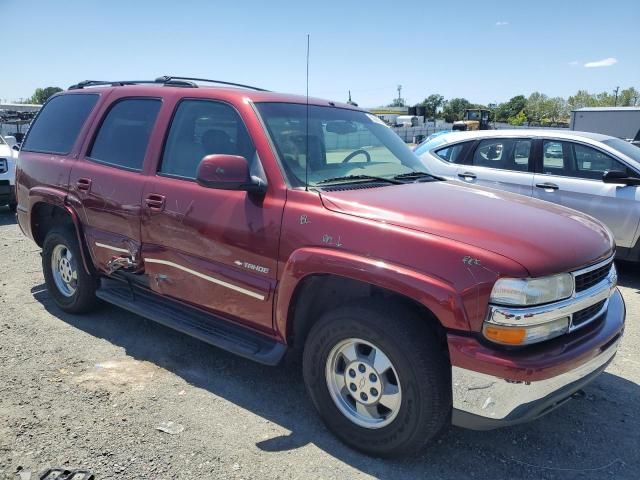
(589, 172)
(7, 175)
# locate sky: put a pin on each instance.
(486, 51)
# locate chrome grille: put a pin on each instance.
(3, 165)
(586, 280)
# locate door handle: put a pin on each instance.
(83, 184)
(548, 186)
(467, 175)
(154, 201)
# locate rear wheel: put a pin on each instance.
(70, 286)
(378, 377)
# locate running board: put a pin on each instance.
(191, 321)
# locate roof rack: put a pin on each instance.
(166, 80)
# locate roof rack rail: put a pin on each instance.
(166, 80)
(171, 78)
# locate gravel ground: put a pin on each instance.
(92, 392)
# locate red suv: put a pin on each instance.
(268, 224)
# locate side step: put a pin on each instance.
(193, 322)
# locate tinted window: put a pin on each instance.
(124, 134)
(58, 124)
(580, 161)
(200, 128)
(503, 153)
(452, 153)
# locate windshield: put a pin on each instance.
(2, 142)
(473, 115)
(624, 147)
(341, 143)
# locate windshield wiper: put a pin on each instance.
(415, 175)
(358, 178)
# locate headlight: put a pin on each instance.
(532, 291)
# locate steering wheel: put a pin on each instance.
(355, 153)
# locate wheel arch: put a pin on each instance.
(315, 280)
(46, 214)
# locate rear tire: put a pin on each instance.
(390, 397)
(70, 286)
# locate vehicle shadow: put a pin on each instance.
(7, 217)
(575, 441)
(628, 275)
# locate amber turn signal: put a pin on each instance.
(505, 335)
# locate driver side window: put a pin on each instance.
(200, 128)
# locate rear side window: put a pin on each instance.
(57, 126)
(452, 153)
(200, 128)
(124, 134)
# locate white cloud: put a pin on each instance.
(501, 24)
(605, 62)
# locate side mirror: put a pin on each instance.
(228, 172)
(16, 147)
(616, 176)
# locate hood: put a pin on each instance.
(543, 237)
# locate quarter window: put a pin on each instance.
(200, 128)
(124, 134)
(503, 153)
(452, 153)
(57, 126)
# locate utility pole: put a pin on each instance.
(615, 103)
(399, 94)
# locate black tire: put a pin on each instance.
(83, 299)
(415, 352)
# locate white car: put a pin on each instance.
(7, 175)
(589, 172)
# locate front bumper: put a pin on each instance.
(7, 193)
(525, 391)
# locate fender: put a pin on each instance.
(432, 292)
(57, 198)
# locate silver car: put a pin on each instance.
(593, 173)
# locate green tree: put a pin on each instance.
(432, 103)
(629, 97)
(510, 109)
(41, 95)
(454, 109)
(536, 105)
(554, 109)
(518, 119)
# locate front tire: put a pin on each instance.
(378, 377)
(70, 286)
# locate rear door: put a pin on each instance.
(501, 163)
(444, 161)
(216, 249)
(106, 182)
(571, 175)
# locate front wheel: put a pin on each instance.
(70, 286)
(378, 377)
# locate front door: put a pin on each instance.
(501, 163)
(106, 182)
(572, 176)
(216, 249)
